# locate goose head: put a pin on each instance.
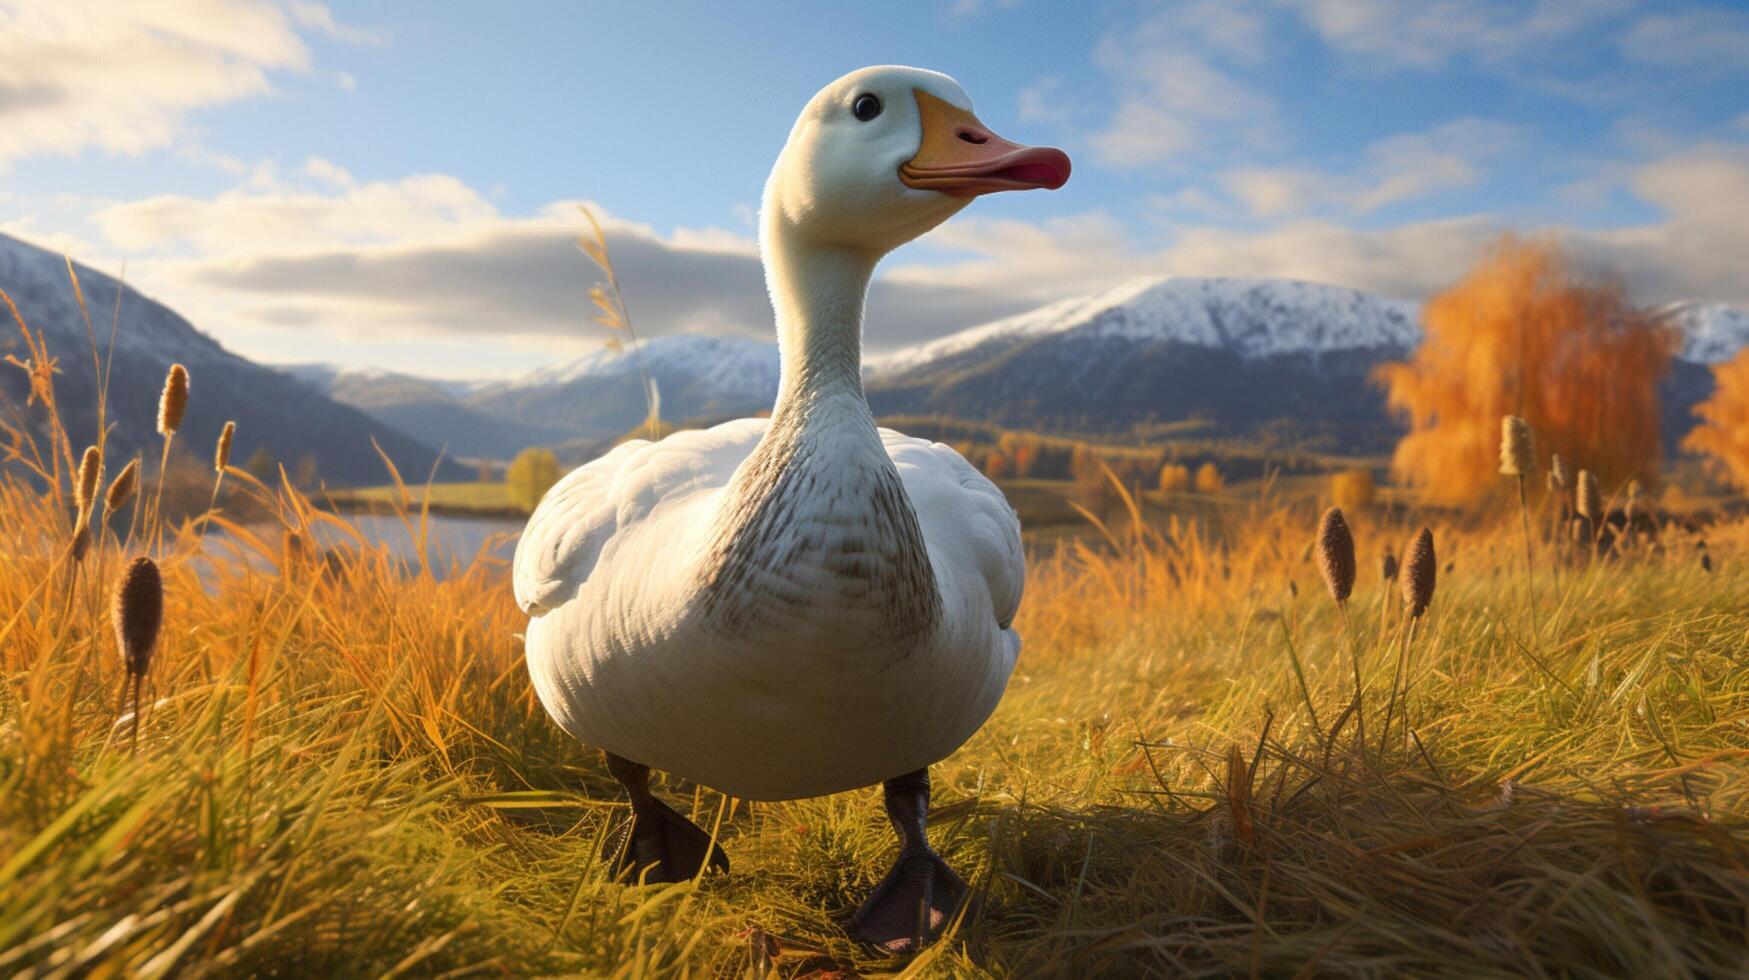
(884, 154)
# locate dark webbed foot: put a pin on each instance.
(920, 896)
(664, 845)
(911, 905)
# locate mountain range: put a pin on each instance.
(274, 412)
(1277, 360)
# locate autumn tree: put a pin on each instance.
(996, 466)
(1723, 435)
(529, 476)
(1524, 334)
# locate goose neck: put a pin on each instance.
(817, 292)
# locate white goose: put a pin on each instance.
(809, 604)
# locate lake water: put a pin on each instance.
(449, 540)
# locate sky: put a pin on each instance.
(395, 184)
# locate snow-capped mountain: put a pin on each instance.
(1711, 332)
(731, 367)
(272, 411)
(364, 386)
(1249, 357)
(601, 395)
(1253, 318)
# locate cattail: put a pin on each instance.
(122, 487)
(222, 452)
(1588, 501)
(1420, 569)
(1582, 531)
(90, 472)
(139, 609)
(1336, 555)
(81, 540)
(137, 613)
(173, 403)
(1557, 472)
(1388, 566)
(1517, 455)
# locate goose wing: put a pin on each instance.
(971, 531)
(604, 501)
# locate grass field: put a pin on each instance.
(342, 770)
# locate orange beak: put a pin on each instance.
(960, 156)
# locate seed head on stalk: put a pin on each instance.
(1420, 570)
(138, 611)
(1336, 555)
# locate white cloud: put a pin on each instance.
(1429, 33)
(120, 75)
(318, 17)
(427, 263)
(284, 218)
(1702, 40)
(328, 172)
(1042, 101)
(1174, 99)
(1397, 168)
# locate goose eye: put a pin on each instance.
(865, 107)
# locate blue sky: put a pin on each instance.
(375, 184)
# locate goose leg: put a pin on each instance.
(919, 897)
(664, 845)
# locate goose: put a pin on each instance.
(807, 604)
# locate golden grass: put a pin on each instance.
(342, 770)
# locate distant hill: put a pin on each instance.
(432, 411)
(601, 394)
(272, 410)
(577, 405)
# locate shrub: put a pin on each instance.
(1209, 479)
(1174, 478)
(529, 476)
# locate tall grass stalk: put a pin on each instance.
(1518, 460)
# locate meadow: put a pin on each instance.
(334, 763)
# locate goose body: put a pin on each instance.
(809, 604)
(800, 654)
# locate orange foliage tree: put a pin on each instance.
(1524, 334)
(1723, 435)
